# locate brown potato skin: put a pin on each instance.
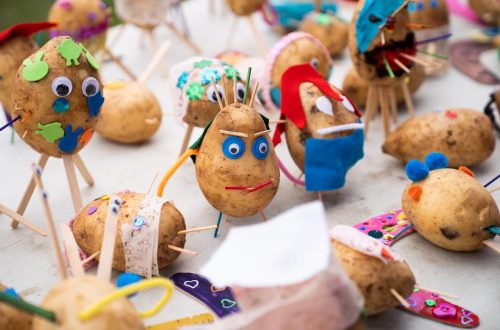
(73, 295)
(13, 51)
(333, 35)
(214, 171)
(13, 319)
(374, 278)
(296, 138)
(487, 10)
(131, 114)
(453, 210)
(466, 140)
(89, 229)
(245, 7)
(432, 17)
(33, 100)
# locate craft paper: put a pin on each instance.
(288, 249)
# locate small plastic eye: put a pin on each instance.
(347, 104)
(240, 91)
(233, 147)
(324, 105)
(212, 97)
(314, 62)
(90, 87)
(260, 147)
(374, 19)
(62, 86)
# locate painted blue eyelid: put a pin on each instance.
(230, 140)
(255, 147)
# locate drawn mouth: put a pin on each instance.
(250, 189)
(340, 128)
(387, 55)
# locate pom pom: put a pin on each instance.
(416, 170)
(127, 279)
(436, 160)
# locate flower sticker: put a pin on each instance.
(195, 91)
(182, 80)
(445, 310)
(231, 72)
(207, 74)
(202, 64)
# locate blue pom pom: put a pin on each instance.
(416, 170)
(127, 279)
(436, 160)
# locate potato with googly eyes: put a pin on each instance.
(245, 7)
(57, 98)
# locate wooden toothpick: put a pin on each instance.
(21, 219)
(263, 215)
(491, 191)
(92, 257)
(492, 245)
(256, 87)
(402, 66)
(178, 249)
(224, 86)
(108, 241)
(151, 183)
(399, 298)
(196, 229)
(235, 90)
(444, 294)
(216, 91)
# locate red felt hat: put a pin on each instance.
(24, 29)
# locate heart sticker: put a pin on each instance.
(214, 289)
(228, 303)
(193, 284)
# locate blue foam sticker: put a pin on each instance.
(69, 141)
(60, 105)
(95, 103)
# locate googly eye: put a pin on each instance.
(347, 104)
(212, 97)
(62, 86)
(324, 105)
(233, 147)
(314, 62)
(260, 147)
(90, 87)
(240, 91)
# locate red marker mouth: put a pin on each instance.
(250, 189)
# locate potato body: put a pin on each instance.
(330, 30)
(245, 7)
(12, 318)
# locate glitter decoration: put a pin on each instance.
(231, 72)
(202, 64)
(208, 74)
(182, 80)
(195, 91)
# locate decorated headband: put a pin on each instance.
(24, 29)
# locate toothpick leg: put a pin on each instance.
(407, 98)
(69, 166)
(263, 215)
(187, 136)
(393, 104)
(19, 218)
(384, 108)
(401, 300)
(80, 165)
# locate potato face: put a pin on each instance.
(487, 10)
(228, 165)
(245, 7)
(58, 96)
(12, 53)
(131, 113)
(452, 210)
(88, 228)
(12, 318)
(85, 21)
(465, 136)
(331, 31)
(433, 13)
(316, 105)
(369, 55)
(75, 294)
(374, 278)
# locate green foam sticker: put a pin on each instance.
(195, 91)
(70, 51)
(323, 19)
(36, 70)
(51, 132)
(90, 59)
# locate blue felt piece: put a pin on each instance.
(373, 15)
(11, 292)
(260, 147)
(416, 170)
(60, 105)
(125, 279)
(276, 96)
(291, 13)
(95, 103)
(233, 147)
(436, 160)
(69, 141)
(328, 160)
(495, 230)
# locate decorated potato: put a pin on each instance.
(57, 98)
(323, 130)
(146, 227)
(85, 21)
(245, 7)
(465, 136)
(293, 49)
(131, 113)
(430, 13)
(71, 296)
(487, 10)
(373, 267)
(448, 207)
(492, 109)
(11, 318)
(329, 29)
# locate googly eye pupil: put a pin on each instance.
(233, 150)
(262, 147)
(233, 147)
(62, 90)
(90, 90)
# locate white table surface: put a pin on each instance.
(374, 185)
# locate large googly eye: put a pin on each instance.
(240, 91)
(62, 86)
(347, 104)
(90, 87)
(212, 97)
(324, 105)
(233, 147)
(314, 62)
(260, 147)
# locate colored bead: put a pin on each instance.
(375, 234)
(92, 210)
(139, 222)
(430, 302)
(415, 289)
(127, 279)
(106, 197)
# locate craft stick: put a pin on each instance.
(263, 215)
(19, 218)
(233, 133)
(384, 109)
(402, 66)
(444, 294)
(256, 87)
(224, 86)
(235, 90)
(37, 177)
(93, 256)
(407, 97)
(217, 96)
(279, 121)
(187, 136)
(108, 241)
(490, 243)
(72, 251)
(181, 250)
(196, 229)
(155, 61)
(29, 191)
(257, 35)
(181, 36)
(399, 298)
(80, 165)
(69, 166)
(185, 321)
(393, 104)
(119, 62)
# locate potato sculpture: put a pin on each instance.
(57, 98)
(323, 130)
(487, 10)
(430, 13)
(373, 267)
(492, 109)
(245, 7)
(131, 113)
(85, 21)
(448, 207)
(465, 136)
(293, 49)
(329, 29)
(11, 318)
(146, 227)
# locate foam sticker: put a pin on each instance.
(36, 70)
(86, 136)
(231, 72)
(322, 19)
(51, 132)
(70, 51)
(207, 74)
(69, 141)
(90, 59)
(202, 64)
(195, 91)
(94, 103)
(388, 228)
(220, 300)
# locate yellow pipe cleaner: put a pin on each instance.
(188, 153)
